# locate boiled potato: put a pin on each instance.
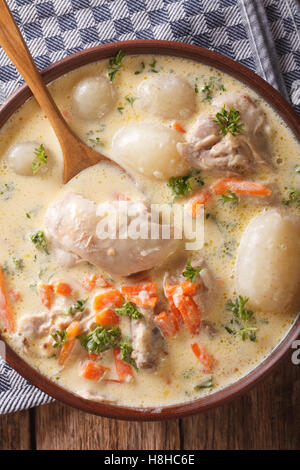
(167, 96)
(149, 149)
(268, 262)
(93, 97)
(20, 157)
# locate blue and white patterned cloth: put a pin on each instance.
(260, 34)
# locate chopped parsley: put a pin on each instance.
(242, 317)
(40, 158)
(129, 310)
(293, 198)
(115, 65)
(19, 263)
(181, 185)
(187, 374)
(142, 67)
(153, 67)
(59, 337)
(210, 87)
(39, 240)
(130, 100)
(126, 353)
(229, 196)
(206, 384)
(120, 109)
(79, 306)
(95, 141)
(191, 273)
(6, 190)
(100, 339)
(229, 121)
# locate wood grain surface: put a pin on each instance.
(266, 418)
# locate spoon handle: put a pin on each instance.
(14, 45)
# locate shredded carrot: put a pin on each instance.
(62, 288)
(107, 317)
(114, 381)
(46, 293)
(167, 322)
(72, 331)
(66, 114)
(93, 356)
(240, 187)
(14, 295)
(201, 198)
(91, 282)
(178, 127)
(93, 371)
(122, 197)
(207, 360)
(189, 311)
(185, 287)
(6, 314)
(123, 369)
(109, 299)
(144, 295)
(169, 291)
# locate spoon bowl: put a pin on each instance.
(76, 154)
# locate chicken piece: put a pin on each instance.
(85, 229)
(147, 340)
(40, 326)
(209, 150)
(35, 326)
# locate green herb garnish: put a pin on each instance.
(115, 65)
(242, 317)
(96, 141)
(120, 109)
(191, 273)
(229, 121)
(153, 66)
(142, 67)
(60, 338)
(129, 310)
(126, 353)
(229, 196)
(293, 198)
(6, 191)
(181, 185)
(19, 263)
(130, 100)
(206, 384)
(100, 339)
(209, 87)
(39, 240)
(187, 374)
(79, 306)
(40, 158)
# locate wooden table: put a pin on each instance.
(268, 417)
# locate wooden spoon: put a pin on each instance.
(77, 155)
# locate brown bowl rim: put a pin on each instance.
(284, 109)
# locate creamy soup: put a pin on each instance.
(145, 322)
